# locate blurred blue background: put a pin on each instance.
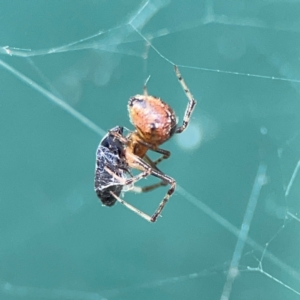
(240, 60)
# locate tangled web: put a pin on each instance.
(231, 231)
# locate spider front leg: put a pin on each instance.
(136, 178)
(165, 153)
(142, 165)
(165, 178)
(172, 182)
(191, 104)
(153, 164)
(131, 180)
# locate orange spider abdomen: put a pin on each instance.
(154, 120)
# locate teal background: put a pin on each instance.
(57, 241)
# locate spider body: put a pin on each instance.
(155, 123)
(153, 119)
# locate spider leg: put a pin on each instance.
(132, 208)
(142, 165)
(165, 153)
(131, 180)
(172, 182)
(161, 206)
(153, 164)
(191, 104)
(160, 159)
(148, 188)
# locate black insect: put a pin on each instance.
(110, 156)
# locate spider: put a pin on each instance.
(155, 123)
